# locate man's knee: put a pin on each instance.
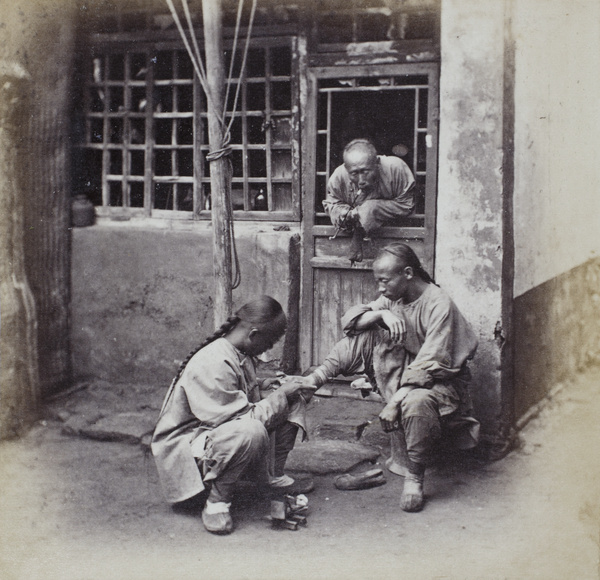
(245, 435)
(351, 355)
(419, 402)
(253, 434)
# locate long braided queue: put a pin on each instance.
(228, 325)
(259, 312)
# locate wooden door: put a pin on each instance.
(396, 107)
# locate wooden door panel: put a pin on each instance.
(340, 248)
(335, 291)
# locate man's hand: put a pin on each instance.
(296, 386)
(390, 421)
(395, 325)
(389, 418)
(349, 219)
(270, 383)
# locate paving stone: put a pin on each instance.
(365, 430)
(340, 430)
(128, 427)
(341, 417)
(328, 456)
(374, 436)
(76, 424)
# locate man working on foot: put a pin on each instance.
(367, 192)
(220, 424)
(413, 344)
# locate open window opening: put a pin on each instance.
(392, 112)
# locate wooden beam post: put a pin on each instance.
(220, 171)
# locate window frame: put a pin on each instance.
(123, 44)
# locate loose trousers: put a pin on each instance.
(423, 412)
(242, 447)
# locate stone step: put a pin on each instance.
(322, 457)
(346, 416)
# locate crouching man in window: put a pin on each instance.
(368, 192)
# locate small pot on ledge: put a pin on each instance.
(83, 212)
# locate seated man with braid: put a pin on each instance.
(218, 422)
(414, 345)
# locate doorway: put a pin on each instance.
(394, 106)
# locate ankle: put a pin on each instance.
(219, 495)
(416, 470)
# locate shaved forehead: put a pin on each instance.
(387, 260)
(360, 152)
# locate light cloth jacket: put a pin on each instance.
(439, 341)
(218, 384)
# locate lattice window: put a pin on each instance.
(144, 134)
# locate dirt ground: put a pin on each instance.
(73, 508)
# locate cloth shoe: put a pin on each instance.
(285, 484)
(216, 518)
(412, 498)
(365, 480)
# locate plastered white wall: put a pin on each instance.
(557, 137)
(468, 251)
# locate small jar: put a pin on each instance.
(83, 212)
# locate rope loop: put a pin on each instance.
(224, 151)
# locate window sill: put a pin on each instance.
(189, 225)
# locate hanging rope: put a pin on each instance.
(244, 59)
(225, 149)
(238, 20)
(196, 62)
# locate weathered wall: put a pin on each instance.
(143, 293)
(19, 377)
(557, 193)
(557, 124)
(469, 242)
(36, 52)
(37, 35)
(48, 55)
(558, 333)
